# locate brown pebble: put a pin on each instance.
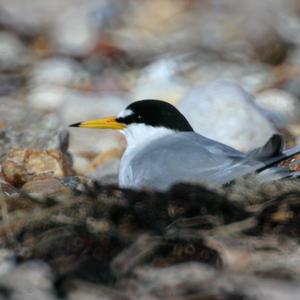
(23, 165)
(42, 189)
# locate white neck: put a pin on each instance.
(137, 135)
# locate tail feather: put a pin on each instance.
(269, 156)
(271, 153)
(277, 159)
(272, 148)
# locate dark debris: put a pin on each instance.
(103, 234)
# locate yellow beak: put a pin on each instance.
(105, 123)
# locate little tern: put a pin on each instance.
(163, 149)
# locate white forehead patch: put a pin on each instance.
(125, 113)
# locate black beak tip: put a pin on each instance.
(75, 125)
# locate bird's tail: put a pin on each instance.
(272, 148)
(272, 161)
(270, 155)
(270, 170)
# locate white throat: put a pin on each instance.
(138, 135)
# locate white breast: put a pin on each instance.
(138, 136)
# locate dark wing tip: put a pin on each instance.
(75, 125)
(276, 143)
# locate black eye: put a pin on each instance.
(140, 118)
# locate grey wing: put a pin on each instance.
(187, 157)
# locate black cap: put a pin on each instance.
(156, 113)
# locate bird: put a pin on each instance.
(163, 149)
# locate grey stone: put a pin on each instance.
(59, 71)
(184, 280)
(7, 191)
(7, 261)
(107, 173)
(223, 111)
(252, 77)
(29, 16)
(24, 128)
(73, 32)
(29, 281)
(13, 53)
(43, 189)
(91, 291)
(229, 30)
(78, 183)
(280, 103)
(159, 80)
(47, 97)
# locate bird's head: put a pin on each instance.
(143, 120)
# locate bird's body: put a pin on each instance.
(162, 149)
(185, 157)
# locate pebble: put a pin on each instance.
(228, 30)
(165, 281)
(80, 163)
(252, 77)
(223, 111)
(51, 80)
(159, 81)
(77, 29)
(282, 103)
(23, 165)
(44, 189)
(55, 139)
(23, 127)
(13, 53)
(30, 16)
(73, 32)
(7, 261)
(12, 199)
(104, 157)
(47, 97)
(91, 291)
(7, 191)
(58, 71)
(107, 173)
(292, 84)
(11, 82)
(30, 280)
(103, 167)
(78, 183)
